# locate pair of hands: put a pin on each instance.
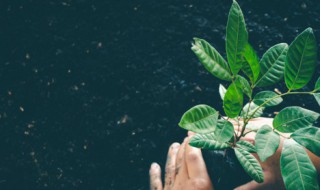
(186, 170)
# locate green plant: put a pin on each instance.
(296, 64)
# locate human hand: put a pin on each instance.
(185, 170)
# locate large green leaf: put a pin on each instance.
(207, 141)
(317, 97)
(233, 101)
(266, 142)
(297, 169)
(317, 85)
(222, 91)
(244, 85)
(200, 119)
(272, 65)
(236, 37)
(211, 59)
(301, 60)
(267, 96)
(293, 118)
(251, 66)
(224, 131)
(308, 137)
(250, 164)
(246, 146)
(249, 109)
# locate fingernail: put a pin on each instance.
(175, 145)
(154, 166)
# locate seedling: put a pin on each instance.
(296, 64)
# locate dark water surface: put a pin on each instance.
(91, 91)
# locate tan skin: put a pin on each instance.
(186, 169)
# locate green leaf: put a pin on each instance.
(272, 65)
(211, 59)
(317, 85)
(250, 164)
(251, 66)
(246, 146)
(269, 96)
(301, 60)
(207, 141)
(266, 142)
(243, 84)
(224, 131)
(200, 119)
(236, 38)
(233, 101)
(317, 97)
(297, 169)
(308, 137)
(222, 91)
(293, 118)
(251, 107)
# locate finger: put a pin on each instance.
(268, 184)
(155, 177)
(181, 167)
(171, 164)
(190, 133)
(195, 163)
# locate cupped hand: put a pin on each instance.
(185, 170)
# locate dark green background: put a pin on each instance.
(91, 91)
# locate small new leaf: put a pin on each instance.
(266, 142)
(200, 119)
(293, 118)
(222, 91)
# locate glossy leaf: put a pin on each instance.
(233, 101)
(317, 85)
(251, 107)
(301, 60)
(211, 59)
(293, 118)
(236, 38)
(266, 142)
(297, 170)
(222, 91)
(246, 146)
(200, 119)
(265, 96)
(244, 85)
(224, 131)
(317, 97)
(308, 137)
(250, 164)
(207, 141)
(250, 65)
(272, 65)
